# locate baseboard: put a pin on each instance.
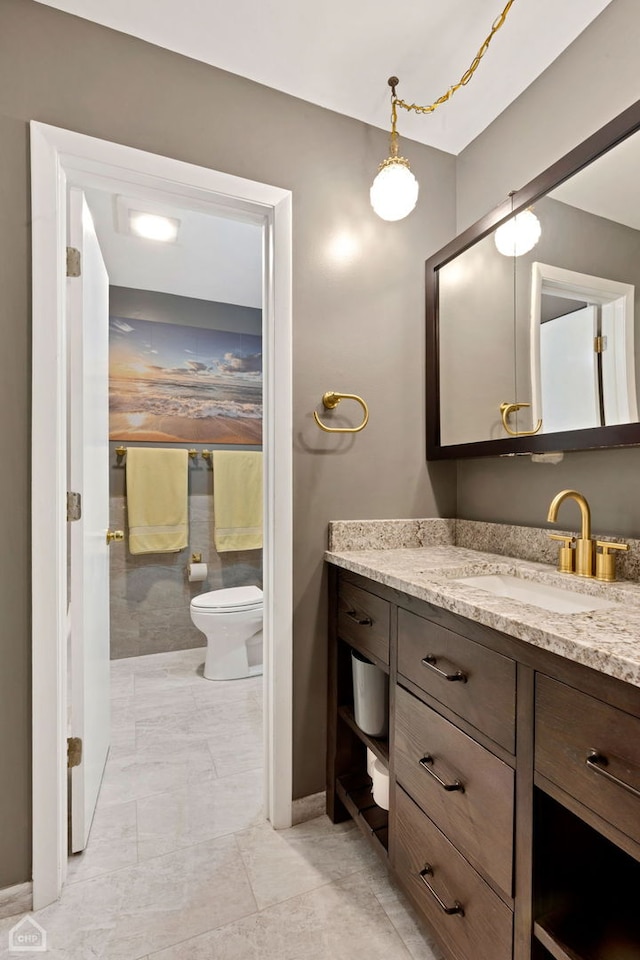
(16, 900)
(308, 808)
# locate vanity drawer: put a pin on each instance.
(473, 681)
(363, 620)
(483, 931)
(478, 815)
(570, 726)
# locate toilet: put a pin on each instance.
(231, 620)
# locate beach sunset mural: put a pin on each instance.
(169, 382)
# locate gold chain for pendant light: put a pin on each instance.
(462, 82)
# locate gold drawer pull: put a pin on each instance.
(430, 661)
(361, 621)
(597, 762)
(426, 762)
(457, 907)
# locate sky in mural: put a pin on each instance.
(170, 382)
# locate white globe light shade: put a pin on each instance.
(518, 235)
(394, 192)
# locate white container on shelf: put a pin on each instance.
(381, 785)
(371, 759)
(370, 696)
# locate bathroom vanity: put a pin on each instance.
(513, 747)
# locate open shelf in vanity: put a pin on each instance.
(361, 625)
(354, 787)
(377, 745)
(354, 790)
(578, 937)
(585, 888)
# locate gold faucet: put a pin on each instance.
(586, 549)
(584, 544)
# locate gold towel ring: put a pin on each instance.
(506, 409)
(331, 401)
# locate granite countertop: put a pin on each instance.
(607, 640)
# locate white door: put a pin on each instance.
(88, 463)
(618, 363)
(569, 372)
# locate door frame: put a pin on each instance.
(613, 295)
(60, 158)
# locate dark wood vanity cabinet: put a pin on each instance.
(514, 820)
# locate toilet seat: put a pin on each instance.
(231, 600)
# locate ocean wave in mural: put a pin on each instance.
(169, 382)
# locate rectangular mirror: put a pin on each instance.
(536, 349)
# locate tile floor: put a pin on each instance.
(182, 866)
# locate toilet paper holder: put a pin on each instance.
(196, 570)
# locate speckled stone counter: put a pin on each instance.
(607, 640)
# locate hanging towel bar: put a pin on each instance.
(121, 453)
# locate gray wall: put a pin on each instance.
(358, 324)
(170, 308)
(150, 593)
(595, 79)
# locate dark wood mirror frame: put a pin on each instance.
(621, 435)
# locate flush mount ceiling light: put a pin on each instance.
(152, 226)
(394, 192)
(518, 235)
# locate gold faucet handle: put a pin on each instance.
(566, 554)
(606, 561)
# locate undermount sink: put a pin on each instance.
(555, 599)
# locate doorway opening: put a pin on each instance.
(581, 350)
(64, 162)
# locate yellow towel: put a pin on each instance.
(157, 500)
(237, 500)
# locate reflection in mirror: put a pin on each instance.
(476, 343)
(582, 337)
(537, 348)
(578, 362)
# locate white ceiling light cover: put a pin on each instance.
(151, 226)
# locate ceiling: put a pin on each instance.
(339, 55)
(214, 258)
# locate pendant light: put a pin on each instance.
(394, 192)
(518, 235)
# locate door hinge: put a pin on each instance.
(73, 262)
(599, 344)
(74, 752)
(74, 506)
